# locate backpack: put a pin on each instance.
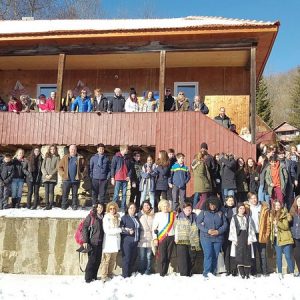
(78, 233)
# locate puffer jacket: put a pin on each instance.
(112, 233)
(21, 169)
(163, 173)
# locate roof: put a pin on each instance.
(285, 126)
(43, 26)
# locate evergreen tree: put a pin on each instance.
(294, 115)
(263, 102)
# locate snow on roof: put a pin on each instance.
(42, 26)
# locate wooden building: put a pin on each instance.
(221, 59)
(286, 132)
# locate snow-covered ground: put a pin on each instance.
(145, 287)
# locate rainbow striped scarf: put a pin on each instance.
(164, 232)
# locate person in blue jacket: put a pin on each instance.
(130, 236)
(83, 102)
(99, 174)
(212, 224)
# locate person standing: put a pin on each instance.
(99, 174)
(35, 161)
(228, 170)
(222, 119)
(6, 177)
(117, 102)
(100, 103)
(121, 171)
(186, 239)
(82, 103)
(242, 236)
(199, 105)
(135, 194)
(213, 225)
(49, 171)
(72, 169)
(93, 234)
(111, 242)
(169, 104)
(50, 102)
(129, 239)
(295, 213)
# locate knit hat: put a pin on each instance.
(204, 146)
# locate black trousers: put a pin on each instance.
(129, 255)
(49, 192)
(260, 252)
(297, 253)
(185, 259)
(228, 260)
(5, 191)
(93, 263)
(33, 189)
(165, 249)
(135, 195)
(99, 188)
(67, 186)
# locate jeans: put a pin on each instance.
(263, 196)
(151, 196)
(287, 251)
(67, 186)
(49, 192)
(120, 185)
(211, 252)
(17, 187)
(145, 260)
(5, 191)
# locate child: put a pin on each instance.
(180, 176)
(147, 183)
(6, 176)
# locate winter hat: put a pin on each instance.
(204, 146)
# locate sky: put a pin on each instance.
(286, 51)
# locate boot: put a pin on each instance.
(13, 202)
(18, 202)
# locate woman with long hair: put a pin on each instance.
(252, 175)
(149, 104)
(35, 161)
(202, 180)
(163, 173)
(281, 236)
(49, 171)
(241, 180)
(263, 188)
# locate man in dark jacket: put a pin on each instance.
(117, 102)
(100, 102)
(199, 105)
(222, 119)
(135, 194)
(228, 170)
(169, 101)
(6, 176)
(121, 172)
(99, 174)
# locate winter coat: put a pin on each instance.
(148, 105)
(225, 122)
(116, 104)
(6, 173)
(50, 104)
(163, 174)
(14, 106)
(296, 226)
(84, 105)
(21, 169)
(159, 222)
(36, 175)
(102, 105)
(202, 180)
(169, 103)
(180, 175)
(121, 167)
(233, 235)
(252, 182)
(146, 221)
(283, 179)
(241, 180)
(148, 179)
(183, 106)
(50, 167)
(93, 234)
(101, 171)
(131, 106)
(127, 222)
(201, 107)
(112, 233)
(228, 169)
(63, 167)
(264, 224)
(207, 220)
(136, 171)
(284, 234)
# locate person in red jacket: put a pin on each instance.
(14, 105)
(50, 102)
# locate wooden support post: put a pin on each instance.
(60, 80)
(253, 94)
(162, 79)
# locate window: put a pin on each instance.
(45, 89)
(190, 89)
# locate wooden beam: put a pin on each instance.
(162, 79)
(60, 80)
(253, 94)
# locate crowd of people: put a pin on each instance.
(99, 103)
(238, 206)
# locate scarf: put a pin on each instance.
(164, 232)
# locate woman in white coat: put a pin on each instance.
(111, 242)
(242, 235)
